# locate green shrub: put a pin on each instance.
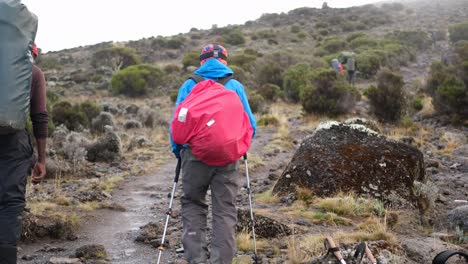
(173, 95)
(257, 103)
(239, 73)
(355, 35)
(459, 32)
(243, 60)
(137, 80)
(368, 63)
(417, 39)
(48, 63)
(176, 42)
(234, 37)
(417, 104)
(333, 45)
(323, 32)
(191, 58)
(461, 49)
(452, 96)
(69, 115)
(268, 120)
(115, 58)
(52, 97)
(387, 100)
(270, 73)
(328, 93)
(270, 92)
(90, 109)
(294, 79)
(295, 29)
(363, 42)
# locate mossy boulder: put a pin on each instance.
(353, 158)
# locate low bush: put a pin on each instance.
(191, 58)
(328, 93)
(418, 39)
(387, 100)
(234, 37)
(137, 80)
(333, 45)
(294, 79)
(115, 58)
(458, 32)
(90, 109)
(270, 92)
(270, 73)
(69, 115)
(257, 103)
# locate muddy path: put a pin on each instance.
(144, 198)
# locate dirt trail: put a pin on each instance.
(141, 196)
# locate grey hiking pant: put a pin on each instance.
(15, 166)
(224, 184)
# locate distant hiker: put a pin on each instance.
(351, 68)
(337, 66)
(222, 178)
(22, 90)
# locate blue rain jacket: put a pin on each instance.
(213, 69)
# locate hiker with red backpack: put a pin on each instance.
(22, 90)
(212, 129)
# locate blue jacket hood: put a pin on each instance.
(213, 69)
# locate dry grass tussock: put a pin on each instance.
(281, 141)
(351, 205)
(450, 145)
(267, 197)
(245, 242)
(39, 208)
(311, 246)
(296, 252)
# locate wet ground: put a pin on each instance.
(145, 198)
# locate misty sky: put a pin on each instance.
(72, 23)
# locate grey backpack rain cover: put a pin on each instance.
(18, 28)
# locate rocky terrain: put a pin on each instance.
(402, 186)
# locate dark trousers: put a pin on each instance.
(15, 166)
(224, 184)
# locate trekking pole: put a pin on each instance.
(250, 205)
(369, 255)
(332, 248)
(169, 211)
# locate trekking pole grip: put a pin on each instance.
(176, 179)
(245, 156)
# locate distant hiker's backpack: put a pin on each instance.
(351, 64)
(17, 33)
(212, 121)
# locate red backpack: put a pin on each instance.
(212, 121)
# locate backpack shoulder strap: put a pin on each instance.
(224, 80)
(443, 256)
(197, 78)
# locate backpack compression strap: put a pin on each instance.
(443, 256)
(198, 78)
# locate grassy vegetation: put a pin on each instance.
(267, 197)
(350, 205)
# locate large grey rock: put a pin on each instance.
(458, 217)
(106, 149)
(352, 158)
